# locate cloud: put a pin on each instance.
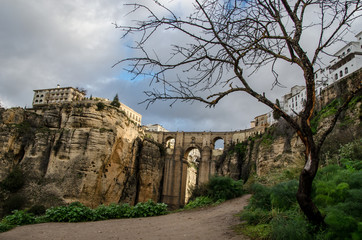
(73, 43)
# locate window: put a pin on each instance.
(316, 75)
(37, 95)
(336, 76)
(340, 73)
(346, 70)
(36, 100)
(348, 50)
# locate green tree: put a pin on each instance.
(115, 101)
(222, 37)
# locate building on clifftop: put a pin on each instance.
(57, 95)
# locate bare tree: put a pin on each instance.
(225, 37)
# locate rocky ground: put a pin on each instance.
(208, 223)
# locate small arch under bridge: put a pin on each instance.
(178, 146)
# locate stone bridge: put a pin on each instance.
(178, 147)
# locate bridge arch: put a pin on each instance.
(191, 161)
(218, 143)
(170, 142)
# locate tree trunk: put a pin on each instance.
(304, 194)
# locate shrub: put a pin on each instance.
(260, 231)
(5, 227)
(113, 211)
(256, 216)
(75, 212)
(19, 218)
(283, 195)
(224, 188)
(37, 210)
(341, 226)
(261, 197)
(198, 191)
(289, 225)
(201, 201)
(14, 202)
(14, 181)
(100, 106)
(148, 209)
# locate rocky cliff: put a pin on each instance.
(78, 152)
(279, 150)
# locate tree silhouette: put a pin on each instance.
(276, 114)
(115, 101)
(222, 38)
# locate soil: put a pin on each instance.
(208, 223)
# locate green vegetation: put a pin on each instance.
(217, 190)
(201, 201)
(14, 202)
(267, 139)
(116, 102)
(273, 211)
(77, 212)
(100, 106)
(14, 181)
(327, 111)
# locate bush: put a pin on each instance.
(148, 209)
(14, 202)
(224, 188)
(283, 195)
(260, 231)
(261, 197)
(100, 106)
(113, 211)
(199, 202)
(37, 210)
(14, 181)
(340, 225)
(198, 191)
(19, 218)
(289, 225)
(5, 227)
(75, 212)
(256, 216)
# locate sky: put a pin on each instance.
(75, 43)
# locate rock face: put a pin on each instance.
(277, 148)
(76, 152)
(280, 148)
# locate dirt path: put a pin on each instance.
(210, 223)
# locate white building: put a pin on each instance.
(132, 114)
(155, 128)
(57, 95)
(347, 60)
